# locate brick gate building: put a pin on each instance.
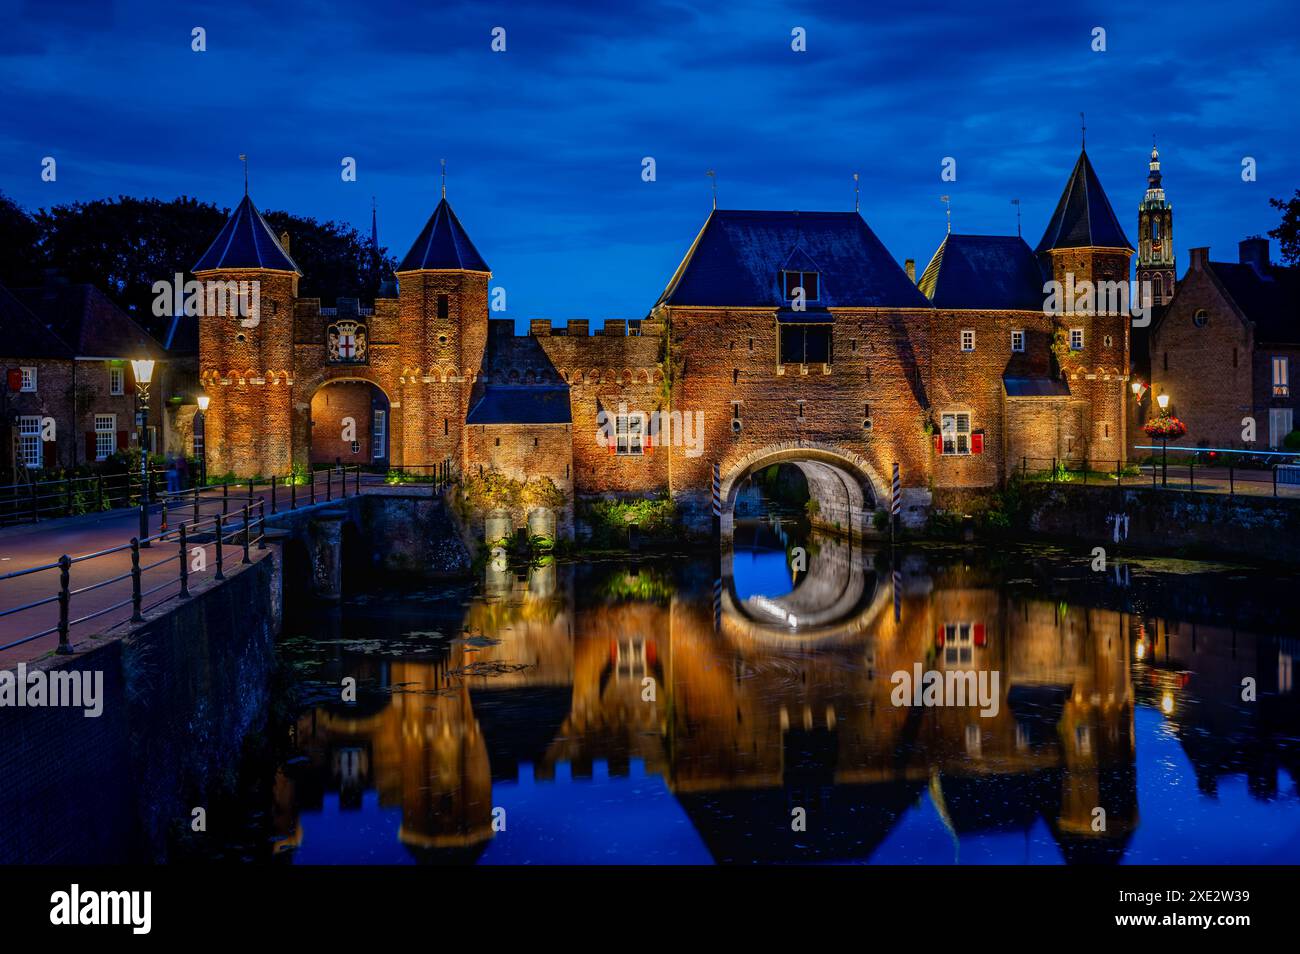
(782, 337)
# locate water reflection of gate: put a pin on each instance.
(837, 598)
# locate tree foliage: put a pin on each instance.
(1288, 232)
(124, 245)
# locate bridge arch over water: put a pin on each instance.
(846, 487)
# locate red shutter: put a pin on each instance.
(979, 634)
(938, 443)
(50, 453)
(15, 379)
(122, 441)
(938, 636)
(977, 442)
(90, 447)
(647, 445)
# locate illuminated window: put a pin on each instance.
(105, 435)
(1018, 340)
(29, 440)
(379, 437)
(29, 380)
(1076, 339)
(955, 429)
(1281, 376)
(629, 430)
(116, 380)
(968, 339)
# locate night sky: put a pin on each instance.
(544, 142)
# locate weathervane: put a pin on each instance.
(244, 159)
(947, 200)
(1083, 132)
(714, 176)
(855, 192)
(444, 178)
(1016, 203)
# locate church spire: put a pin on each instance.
(1156, 267)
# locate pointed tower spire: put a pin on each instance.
(1083, 217)
(246, 241)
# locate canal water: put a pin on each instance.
(687, 710)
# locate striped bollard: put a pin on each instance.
(895, 501)
(717, 500)
(717, 605)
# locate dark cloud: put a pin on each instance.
(544, 142)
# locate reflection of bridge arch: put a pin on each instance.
(838, 600)
(843, 483)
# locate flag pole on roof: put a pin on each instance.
(1016, 203)
(1083, 132)
(947, 200)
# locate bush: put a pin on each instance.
(609, 520)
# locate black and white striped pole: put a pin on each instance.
(895, 502)
(717, 500)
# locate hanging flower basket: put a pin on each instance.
(1165, 427)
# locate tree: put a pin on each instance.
(21, 262)
(336, 260)
(124, 245)
(1288, 233)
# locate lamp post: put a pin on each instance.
(143, 370)
(1163, 401)
(201, 438)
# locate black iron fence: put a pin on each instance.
(209, 518)
(1179, 469)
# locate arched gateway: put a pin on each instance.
(844, 485)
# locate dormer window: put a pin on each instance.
(808, 281)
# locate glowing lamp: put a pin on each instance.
(204, 401)
(1163, 401)
(1137, 387)
(143, 368)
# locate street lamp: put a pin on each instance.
(143, 370)
(1163, 401)
(201, 438)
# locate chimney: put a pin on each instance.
(909, 266)
(1200, 256)
(284, 242)
(1254, 251)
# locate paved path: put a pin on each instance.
(97, 609)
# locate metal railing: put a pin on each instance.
(1180, 469)
(215, 531)
(238, 518)
(70, 496)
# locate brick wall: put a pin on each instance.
(1206, 371)
(329, 407)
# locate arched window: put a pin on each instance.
(1159, 288)
(1200, 318)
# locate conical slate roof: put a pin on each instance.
(443, 244)
(246, 241)
(1083, 218)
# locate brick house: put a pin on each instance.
(782, 337)
(68, 349)
(1227, 348)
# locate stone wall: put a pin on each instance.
(1209, 525)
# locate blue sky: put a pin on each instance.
(544, 142)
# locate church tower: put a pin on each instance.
(443, 321)
(248, 286)
(1155, 261)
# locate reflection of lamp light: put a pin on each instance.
(1141, 650)
(1163, 401)
(204, 401)
(1167, 703)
